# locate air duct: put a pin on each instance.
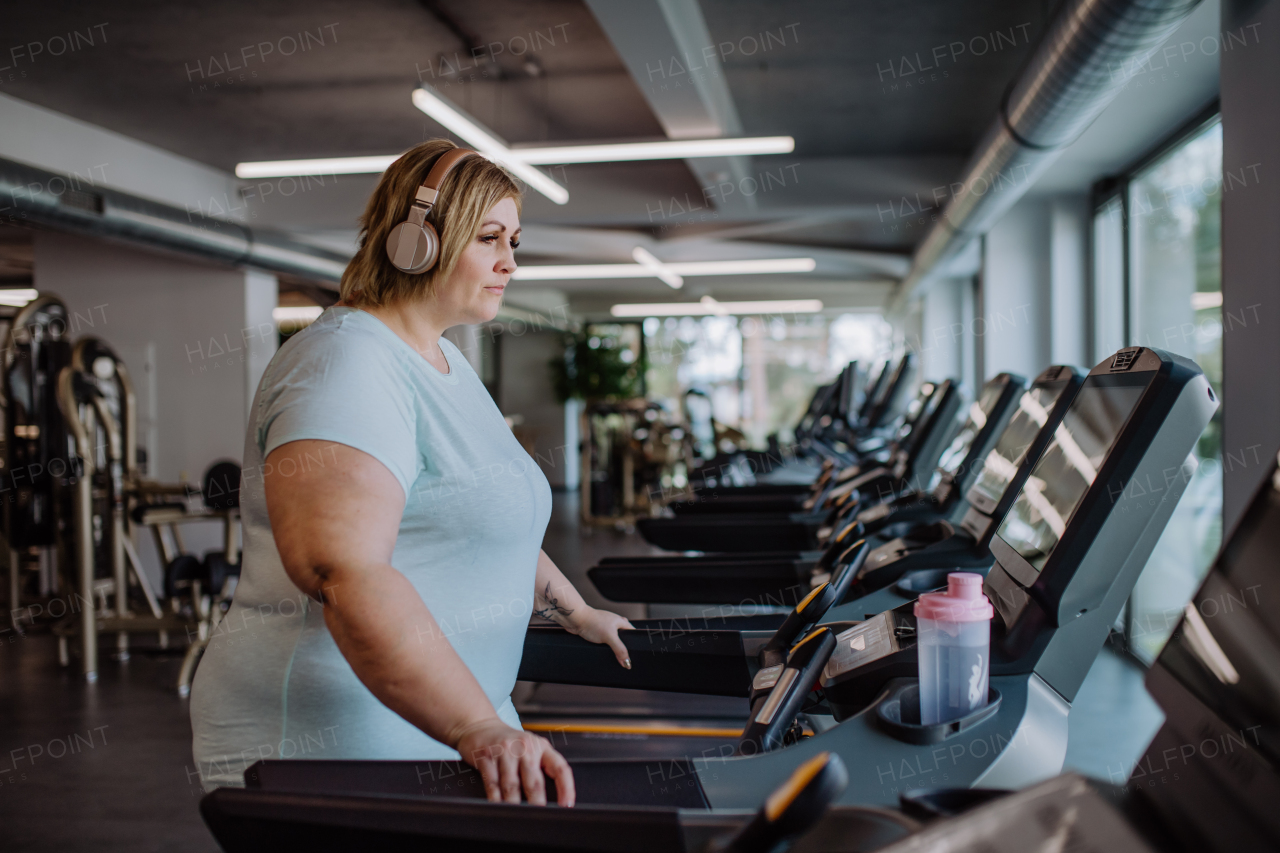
(1092, 49)
(72, 204)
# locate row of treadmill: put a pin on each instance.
(798, 602)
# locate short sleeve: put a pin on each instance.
(348, 389)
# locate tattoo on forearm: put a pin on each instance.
(552, 607)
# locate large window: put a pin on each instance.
(1162, 287)
(759, 372)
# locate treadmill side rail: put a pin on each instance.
(706, 662)
(248, 821)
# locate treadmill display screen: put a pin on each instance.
(951, 459)
(911, 437)
(1069, 464)
(914, 410)
(1002, 463)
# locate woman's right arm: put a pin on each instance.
(335, 523)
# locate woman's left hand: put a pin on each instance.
(601, 626)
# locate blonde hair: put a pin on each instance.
(469, 192)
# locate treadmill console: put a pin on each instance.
(890, 399)
(879, 637)
(1095, 503)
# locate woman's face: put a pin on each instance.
(473, 292)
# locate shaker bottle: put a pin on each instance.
(953, 634)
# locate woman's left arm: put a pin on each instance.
(555, 598)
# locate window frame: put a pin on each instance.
(1104, 192)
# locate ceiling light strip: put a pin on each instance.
(573, 272)
(479, 138)
(655, 266)
(711, 307)
(324, 166)
(676, 149)
(519, 158)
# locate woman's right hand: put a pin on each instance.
(511, 760)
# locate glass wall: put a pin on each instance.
(1175, 303)
(759, 372)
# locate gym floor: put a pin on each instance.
(109, 767)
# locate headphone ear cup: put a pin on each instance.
(413, 248)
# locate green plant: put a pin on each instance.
(594, 367)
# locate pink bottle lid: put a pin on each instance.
(962, 602)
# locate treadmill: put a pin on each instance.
(834, 473)
(746, 499)
(314, 809)
(724, 579)
(834, 417)
(1068, 554)
(798, 531)
(1209, 781)
(700, 678)
(918, 558)
(883, 403)
(892, 395)
(1120, 421)
(1122, 428)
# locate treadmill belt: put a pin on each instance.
(581, 700)
(657, 750)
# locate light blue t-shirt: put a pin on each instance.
(272, 683)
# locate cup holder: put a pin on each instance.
(898, 713)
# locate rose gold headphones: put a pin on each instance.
(414, 246)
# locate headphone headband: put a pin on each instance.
(430, 189)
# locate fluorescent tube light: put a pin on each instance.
(296, 313)
(675, 149)
(758, 266)
(656, 266)
(1206, 300)
(325, 166)
(483, 141)
(570, 272)
(520, 160)
(17, 296)
(710, 306)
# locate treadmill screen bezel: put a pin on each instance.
(1014, 562)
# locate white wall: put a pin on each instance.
(195, 339)
(943, 333)
(525, 389)
(1034, 310)
(1015, 328)
(50, 140)
(1069, 221)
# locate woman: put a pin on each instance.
(392, 523)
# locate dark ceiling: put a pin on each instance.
(914, 82)
(826, 76)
